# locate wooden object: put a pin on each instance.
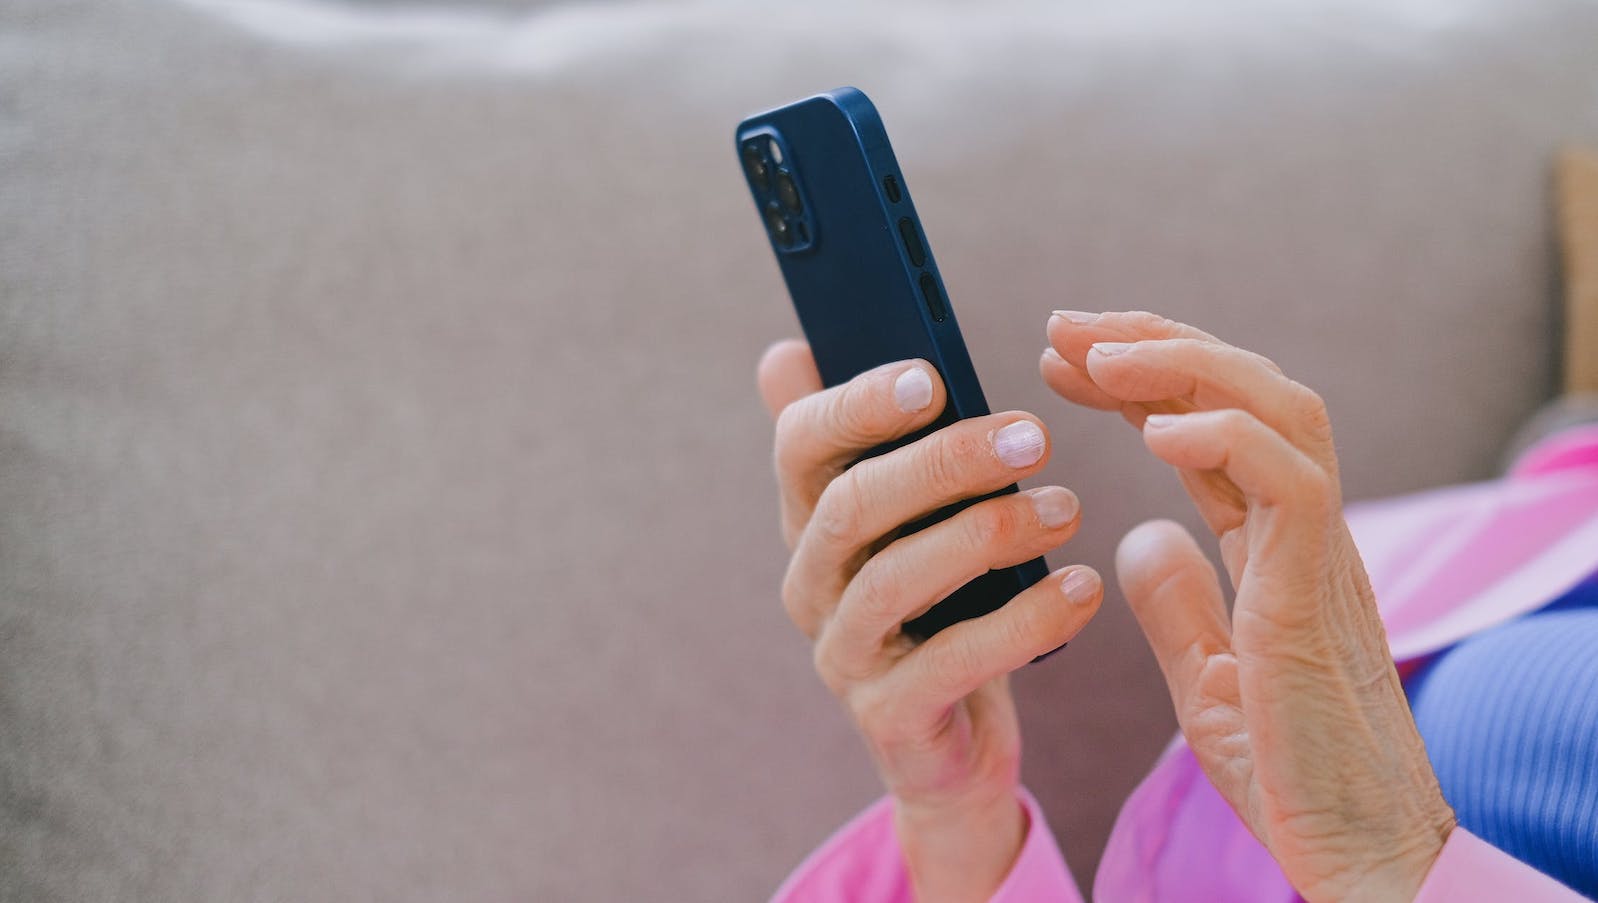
(1577, 187)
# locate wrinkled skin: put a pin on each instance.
(1291, 703)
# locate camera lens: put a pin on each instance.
(788, 192)
(755, 165)
(779, 227)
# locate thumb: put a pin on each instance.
(786, 373)
(1176, 597)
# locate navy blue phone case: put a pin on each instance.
(864, 282)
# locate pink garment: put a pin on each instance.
(1445, 564)
(860, 863)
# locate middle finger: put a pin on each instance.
(878, 495)
(1188, 365)
(1213, 376)
(916, 571)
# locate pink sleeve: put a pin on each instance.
(861, 863)
(1473, 869)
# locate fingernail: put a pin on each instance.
(1109, 348)
(912, 391)
(1161, 420)
(1055, 505)
(1020, 444)
(1079, 587)
(1079, 317)
(1051, 354)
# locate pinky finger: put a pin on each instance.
(958, 660)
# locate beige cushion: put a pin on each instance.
(385, 505)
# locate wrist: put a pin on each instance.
(1398, 872)
(1409, 873)
(960, 851)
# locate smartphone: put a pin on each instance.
(837, 210)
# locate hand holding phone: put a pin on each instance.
(867, 290)
(898, 491)
(937, 716)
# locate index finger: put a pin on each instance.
(786, 373)
(1073, 332)
(820, 434)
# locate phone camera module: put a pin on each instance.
(788, 192)
(755, 166)
(781, 232)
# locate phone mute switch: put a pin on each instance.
(912, 242)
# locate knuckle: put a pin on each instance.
(852, 415)
(793, 596)
(838, 513)
(1310, 409)
(874, 710)
(1236, 424)
(1150, 378)
(947, 468)
(1145, 321)
(789, 428)
(1317, 490)
(821, 661)
(824, 662)
(876, 590)
(1027, 625)
(953, 664)
(941, 466)
(991, 525)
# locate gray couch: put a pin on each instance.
(385, 506)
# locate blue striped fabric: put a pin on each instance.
(1510, 719)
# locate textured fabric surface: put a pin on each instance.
(385, 505)
(1510, 719)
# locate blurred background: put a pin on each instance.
(386, 508)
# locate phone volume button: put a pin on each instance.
(912, 242)
(933, 297)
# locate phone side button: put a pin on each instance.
(934, 298)
(912, 242)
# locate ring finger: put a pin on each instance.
(875, 497)
(916, 571)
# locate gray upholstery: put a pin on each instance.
(385, 505)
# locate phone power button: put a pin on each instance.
(912, 242)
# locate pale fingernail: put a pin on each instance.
(1109, 348)
(1055, 506)
(1051, 354)
(1020, 444)
(1079, 317)
(1079, 587)
(1158, 421)
(912, 391)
